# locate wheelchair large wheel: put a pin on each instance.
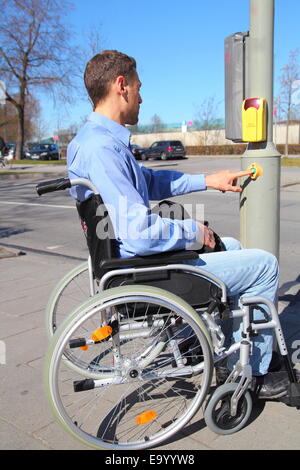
(141, 381)
(72, 290)
(218, 416)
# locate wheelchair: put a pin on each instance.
(129, 366)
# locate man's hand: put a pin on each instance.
(226, 180)
(205, 236)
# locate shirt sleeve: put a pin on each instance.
(165, 183)
(139, 231)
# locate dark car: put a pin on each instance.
(164, 149)
(43, 152)
(137, 151)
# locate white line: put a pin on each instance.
(36, 204)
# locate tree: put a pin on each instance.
(290, 73)
(35, 53)
(207, 116)
(9, 119)
(156, 124)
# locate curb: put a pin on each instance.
(4, 253)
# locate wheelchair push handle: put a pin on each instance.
(53, 185)
(64, 183)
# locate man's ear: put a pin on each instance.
(121, 86)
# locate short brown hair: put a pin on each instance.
(103, 69)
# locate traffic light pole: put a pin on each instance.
(260, 199)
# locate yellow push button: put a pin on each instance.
(257, 170)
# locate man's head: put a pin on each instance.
(112, 75)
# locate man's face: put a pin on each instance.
(133, 100)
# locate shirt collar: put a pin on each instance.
(114, 127)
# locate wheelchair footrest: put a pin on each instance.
(293, 396)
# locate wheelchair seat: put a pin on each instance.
(193, 288)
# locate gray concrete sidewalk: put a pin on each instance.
(26, 421)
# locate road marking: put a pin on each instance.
(53, 247)
(55, 206)
(43, 252)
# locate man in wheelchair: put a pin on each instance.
(101, 153)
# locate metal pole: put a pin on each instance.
(260, 199)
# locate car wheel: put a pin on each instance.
(143, 157)
(164, 156)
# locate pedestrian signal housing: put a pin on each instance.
(254, 119)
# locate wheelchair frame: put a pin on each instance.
(206, 321)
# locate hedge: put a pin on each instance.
(234, 149)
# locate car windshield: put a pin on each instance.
(40, 147)
(176, 143)
(35, 148)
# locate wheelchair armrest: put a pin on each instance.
(169, 257)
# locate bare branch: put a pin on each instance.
(35, 51)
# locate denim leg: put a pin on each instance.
(247, 272)
(231, 243)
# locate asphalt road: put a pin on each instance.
(50, 223)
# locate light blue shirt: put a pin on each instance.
(101, 153)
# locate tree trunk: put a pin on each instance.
(21, 122)
(286, 151)
(21, 133)
(286, 147)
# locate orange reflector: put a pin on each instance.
(145, 417)
(102, 333)
(84, 348)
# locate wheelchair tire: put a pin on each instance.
(217, 413)
(70, 291)
(127, 393)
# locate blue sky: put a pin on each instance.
(179, 48)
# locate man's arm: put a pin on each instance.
(165, 183)
(162, 184)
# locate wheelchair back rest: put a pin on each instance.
(101, 246)
(103, 249)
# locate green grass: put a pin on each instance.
(7, 172)
(37, 162)
(286, 161)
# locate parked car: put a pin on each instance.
(11, 153)
(10, 150)
(164, 149)
(136, 150)
(43, 152)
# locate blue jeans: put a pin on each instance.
(247, 272)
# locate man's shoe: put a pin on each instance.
(272, 385)
(222, 372)
(277, 362)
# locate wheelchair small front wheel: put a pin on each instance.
(218, 416)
